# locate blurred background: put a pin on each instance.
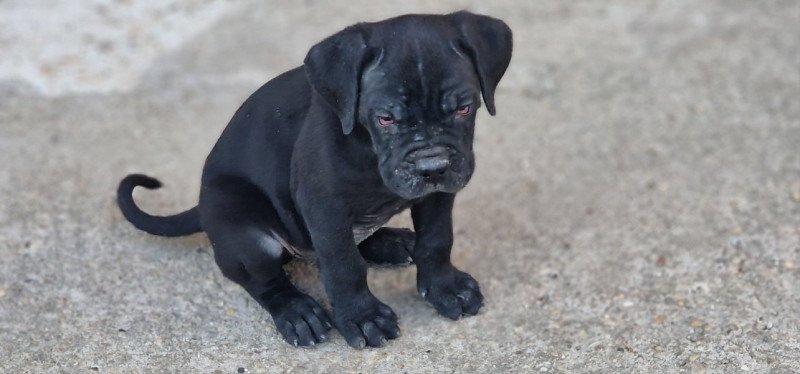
(636, 205)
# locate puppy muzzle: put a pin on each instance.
(425, 168)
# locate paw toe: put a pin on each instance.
(353, 335)
(388, 326)
(303, 323)
(373, 334)
(371, 327)
(305, 337)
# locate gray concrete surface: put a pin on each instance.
(636, 206)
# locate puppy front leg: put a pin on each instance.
(452, 292)
(359, 316)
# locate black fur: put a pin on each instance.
(380, 118)
(181, 224)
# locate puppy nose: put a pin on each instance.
(431, 161)
(432, 164)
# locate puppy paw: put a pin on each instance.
(367, 322)
(300, 319)
(452, 292)
(388, 246)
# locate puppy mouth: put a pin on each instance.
(427, 151)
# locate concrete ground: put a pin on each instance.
(636, 206)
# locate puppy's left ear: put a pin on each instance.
(488, 42)
(333, 67)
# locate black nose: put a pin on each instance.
(431, 162)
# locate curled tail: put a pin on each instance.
(180, 224)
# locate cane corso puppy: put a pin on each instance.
(379, 118)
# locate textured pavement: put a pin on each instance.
(636, 206)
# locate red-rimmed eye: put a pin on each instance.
(464, 110)
(385, 120)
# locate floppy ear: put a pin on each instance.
(488, 42)
(333, 67)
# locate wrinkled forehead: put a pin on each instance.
(422, 66)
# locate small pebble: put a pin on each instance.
(696, 334)
(240, 370)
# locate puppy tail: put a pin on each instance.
(180, 224)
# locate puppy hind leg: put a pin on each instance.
(258, 268)
(247, 254)
(388, 246)
(297, 316)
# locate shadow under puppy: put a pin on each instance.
(379, 118)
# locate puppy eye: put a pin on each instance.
(464, 110)
(385, 120)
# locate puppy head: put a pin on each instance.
(414, 84)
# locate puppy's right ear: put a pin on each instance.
(333, 67)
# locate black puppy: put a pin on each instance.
(379, 118)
